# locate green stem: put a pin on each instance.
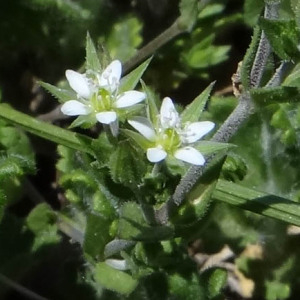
(258, 202)
(45, 130)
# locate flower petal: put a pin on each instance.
(195, 131)
(129, 98)
(110, 77)
(144, 127)
(169, 117)
(75, 108)
(190, 155)
(78, 83)
(106, 117)
(156, 154)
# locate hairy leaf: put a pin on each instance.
(113, 279)
(92, 59)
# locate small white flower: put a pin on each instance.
(172, 137)
(98, 94)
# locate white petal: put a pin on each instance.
(129, 98)
(78, 83)
(195, 131)
(111, 75)
(75, 108)
(156, 154)
(190, 155)
(169, 117)
(106, 117)
(144, 127)
(118, 264)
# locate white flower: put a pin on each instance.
(98, 94)
(172, 137)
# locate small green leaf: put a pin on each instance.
(42, 222)
(114, 280)
(127, 165)
(216, 283)
(132, 225)
(62, 95)
(96, 236)
(193, 111)
(280, 94)
(92, 59)
(283, 36)
(130, 81)
(189, 10)
(252, 11)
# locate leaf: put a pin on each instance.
(42, 222)
(96, 236)
(277, 290)
(132, 225)
(216, 282)
(127, 165)
(281, 94)
(189, 10)
(293, 78)
(130, 81)
(114, 280)
(45, 130)
(186, 287)
(261, 203)
(62, 95)
(92, 59)
(192, 112)
(249, 59)
(283, 36)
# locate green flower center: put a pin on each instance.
(169, 139)
(101, 100)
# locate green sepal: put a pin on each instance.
(114, 280)
(273, 95)
(132, 226)
(137, 138)
(62, 95)
(96, 236)
(130, 81)
(208, 147)
(127, 165)
(85, 122)
(152, 109)
(193, 111)
(189, 10)
(92, 59)
(283, 36)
